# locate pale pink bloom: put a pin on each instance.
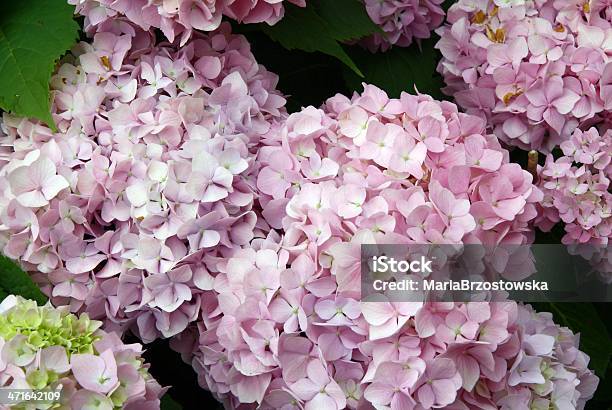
(472, 360)
(432, 132)
(295, 354)
(393, 385)
(387, 318)
(399, 348)
(526, 369)
(339, 312)
(510, 53)
(276, 178)
(477, 155)
(505, 201)
(107, 53)
(89, 400)
(302, 276)
(95, 373)
(456, 327)
(376, 101)
(549, 102)
(454, 211)
(347, 267)
(408, 156)
(82, 257)
(70, 215)
(155, 79)
(319, 390)
(350, 201)
(202, 233)
(209, 181)
(124, 88)
(287, 309)
(169, 290)
(318, 168)
(379, 142)
(354, 124)
(440, 383)
(280, 398)
(337, 343)
(36, 184)
(305, 122)
(68, 285)
(262, 283)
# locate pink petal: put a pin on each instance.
(378, 393)
(377, 313)
(95, 373)
(426, 396)
(305, 389)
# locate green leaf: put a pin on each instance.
(346, 19)
(15, 281)
(594, 337)
(33, 35)
(168, 404)
(398, 69)
(304, 29)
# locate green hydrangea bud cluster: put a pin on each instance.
(45, 326)
(51, 349)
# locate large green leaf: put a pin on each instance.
(346, 19)
(304, 29)
(15, 281)
(584, 319)
(398, 69)
(33, 35)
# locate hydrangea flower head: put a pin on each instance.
(577, 193)
(282, 325)
(536, 70)
(402, 21)
(44, 348)
(151, 170)
(179, 18)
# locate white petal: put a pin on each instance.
(137, 194)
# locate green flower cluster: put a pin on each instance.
(45, 326)
(51, 349)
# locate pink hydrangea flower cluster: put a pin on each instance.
(179, 18)
(280, 337)
(402, 21)
(151, 169)
(579, 195)
(409, 170)
(576, 190)
(44, 348)
(282, 326)
(536, 69)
